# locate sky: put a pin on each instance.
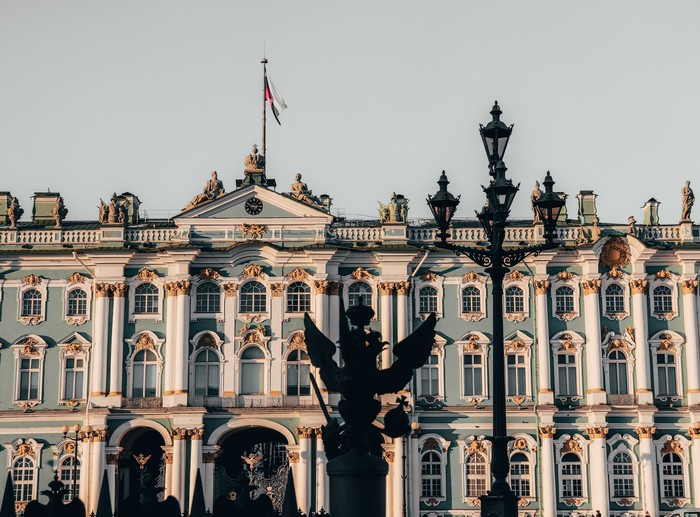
(151, 96)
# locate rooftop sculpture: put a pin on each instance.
(212, 189)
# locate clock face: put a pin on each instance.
(253, 206)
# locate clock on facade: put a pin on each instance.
(253, 206)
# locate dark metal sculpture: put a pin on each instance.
(359, 380)
(55, 507)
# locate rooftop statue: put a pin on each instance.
(114, 212)
(254, 162)
(14, 212)
(213, 189)
(359, 380)
(688, 201)
(396, 211)
(301, 191)
(59, 212)
(534, 198)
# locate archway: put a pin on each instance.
(254, 457)
(141, 447)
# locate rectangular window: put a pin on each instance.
(28, 379)
(429, 385)
(517, 375)
(666, 375)
(473, 375)
(566, 370)
(74, 376)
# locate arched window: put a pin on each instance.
(252, 371)
(207, 377)
(146, 299)
(520, 475)
(77, 303)
(427, 300)
(298, 368)
(208, 298)
(359, 293)
(617, 373)
(622, 476)
(29, 378)
(429, 377)
(69, 476)
(666, 374)
(614, 299)
(253, 297)
(145, 373)
(564, 300)
(298, 297)
(571, 476)
(663, 301)
(471, 299)
(74, 371)
(23, 479)
(515, 300)
(431, 475)
(475, 468)
(31, 303)
(672, 472)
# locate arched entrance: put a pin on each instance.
(253, 457)
(142, 446)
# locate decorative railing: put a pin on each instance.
(142, 402)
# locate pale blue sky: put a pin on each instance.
(150, 96)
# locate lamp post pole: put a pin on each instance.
(76, 429)
(500, 501)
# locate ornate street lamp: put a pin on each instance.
(76, 429)
(500, 193)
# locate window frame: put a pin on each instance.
(241, 294)
(301, 400)
(619, 344)
(86, 287)
(29, 449)
(667, 342)
(568, 343)
(265, 361)
(435, 281)
(33, 347)
(73, 346)
(362, 282)
(474, 343)
(679, 445)
(578, 446)
(361, 275)
(526, 445)
(669, 280)
(469, 446)
(146, 276)
(439, 352)
(62, 451)
(433, 442)
(309, 293)
(477, 282)
(621, 279)
(196, 315)
(517, 279)
(625, 446)
(572, 281)
(144, 340)
(519, 344)
(30, 283)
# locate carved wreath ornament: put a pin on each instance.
(615, 253)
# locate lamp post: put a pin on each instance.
(500, 193)
(76, 429)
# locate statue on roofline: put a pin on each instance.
(14, 212)
(212, 189)
(59, 212)
(300, 191)
(534, 198)
(254, 162)
(396, 211)
(688, 201)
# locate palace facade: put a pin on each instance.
(177, 345)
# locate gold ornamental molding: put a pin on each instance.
(516, 345)
(29, 347)
(429, 276)
(141, 460)
(293, 457)
(591, 286)
(514, 276)
(254, 231)
(618, 344)
(168, 457)
(615, 273)
(566, 276)
(230, 289)
(306, 432)
(32, 280)
(673, 446)
(334, 288)
(196, 434)
(252, 271)
(520, 444)
(475, 446)
(147, 275)
(402, 288)
(386, 288)
(207, 340)
(472, 343)
(597, 432)
(689, 286)
(694, 431)
(571, 445)
(474, 277)
(100, 435)
(664, 274)
(646, 431)
(145, 342)
(298, 340)
(388, 456)
(23, 449)
(76, 278)
(178, 287)
(321, 286)
(541, 286)
(119, 290)
(361, 274)
(547, 431)
(179, 433)
(615, 253)
(112, 458)
(298, 275)
(209, 274)
(69, 447)
(639, 286)
(276, 290)
(102, 289)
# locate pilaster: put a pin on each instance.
(116, 358)
(694, 432)
(647, 458)
(639, 289)
(402, 309)
(594, 361)
(100, 340)
(397, 477)
(196, 463)
(322, 494)
(600, 499)
(545, 394)
(179, 435)
(305, 434)
(229, 337)
(276, 318)
(692, 354)
(386, 310)
(549, 483)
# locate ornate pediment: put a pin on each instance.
(361, 274)
(298, 275)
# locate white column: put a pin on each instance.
(97, 464)
(694, 432)
(183, 334)
(170, 337)
(112, 464)
(322, 500)
(321, 293)
(334, 291)
(690, 322)
(116, 362)
(386, 317)
(276, 318)
(402, 290)
(641, 352)
(304, 494)
(594, 359)
(196, 463)
(100, 340)
(549, 483)
(600, 499)
(84, 488)
(208, 479)
(168, 458)
(544, 379)
(179, 459)
(397, 478)
(647, 460)
(414, 478)
(229, 336)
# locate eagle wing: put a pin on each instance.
(321, 351)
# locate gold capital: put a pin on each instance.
(386, 288)
(689, 286)
(639, 286)
(334, 288)
(402, 288)
(321, 286)
(694, 431)
(547, 431)
(591, 286)
(276, 290)
(645, 431)
(597, 432)
(229, 289)
(119, 290)
(541, 286)
(102, 289)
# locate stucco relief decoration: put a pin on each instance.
(402, 288)
(615, 253)
(516, 345)
(145, 341)
(666, 342)
(297, 341)
(293, 457)
(618, 344)
(574, 501)
(591, 286)
(431, 444)
(230, 289)
(673, 446)
(321, 286)
(23, 449)
(254, 231)
(252, 271)
(31, 280)
(663, 275)
(566, 343)
(639, 286)
(520, 444)
(547, 431)
(694, 431)
(69, 447)
(386, 288)
(277, 290)
(207, 340)
(74, 348)
(76, 278)
(514, 276)
(475, 445)
(429, 276)
(541, 286)
(571, 445)
(361, 274)
(473, 277)
(689, 286)
(147, 275)
(472, 344)
(646, 431)
(29, 347)
(388, 456)
(615, 273)
(209, 274)
(597, 432)
(298, 275)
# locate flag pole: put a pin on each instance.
(264, 106)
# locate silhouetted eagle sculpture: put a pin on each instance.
(359, 380)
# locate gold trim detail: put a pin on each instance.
(541, 286)
(645, 431)
(32, 280)
(597, 432)
(514, 276)
(147, 275)
(591, 286)
(334, 288)
(298, 274)
(402, 288)
(276, 290)
(76, 278)
(571, 445)
(361, 274)
(255, 231)
(547, 431)
(639, 286)
(321, 286)
(689, 286)
(230, 289)
(252, 271)
(209, 274)
(386, 288)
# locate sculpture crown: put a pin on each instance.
(359, 315)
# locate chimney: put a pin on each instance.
(132, 207)
(43, 203)
(587, 210)
(651, 212)
(5, 198)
